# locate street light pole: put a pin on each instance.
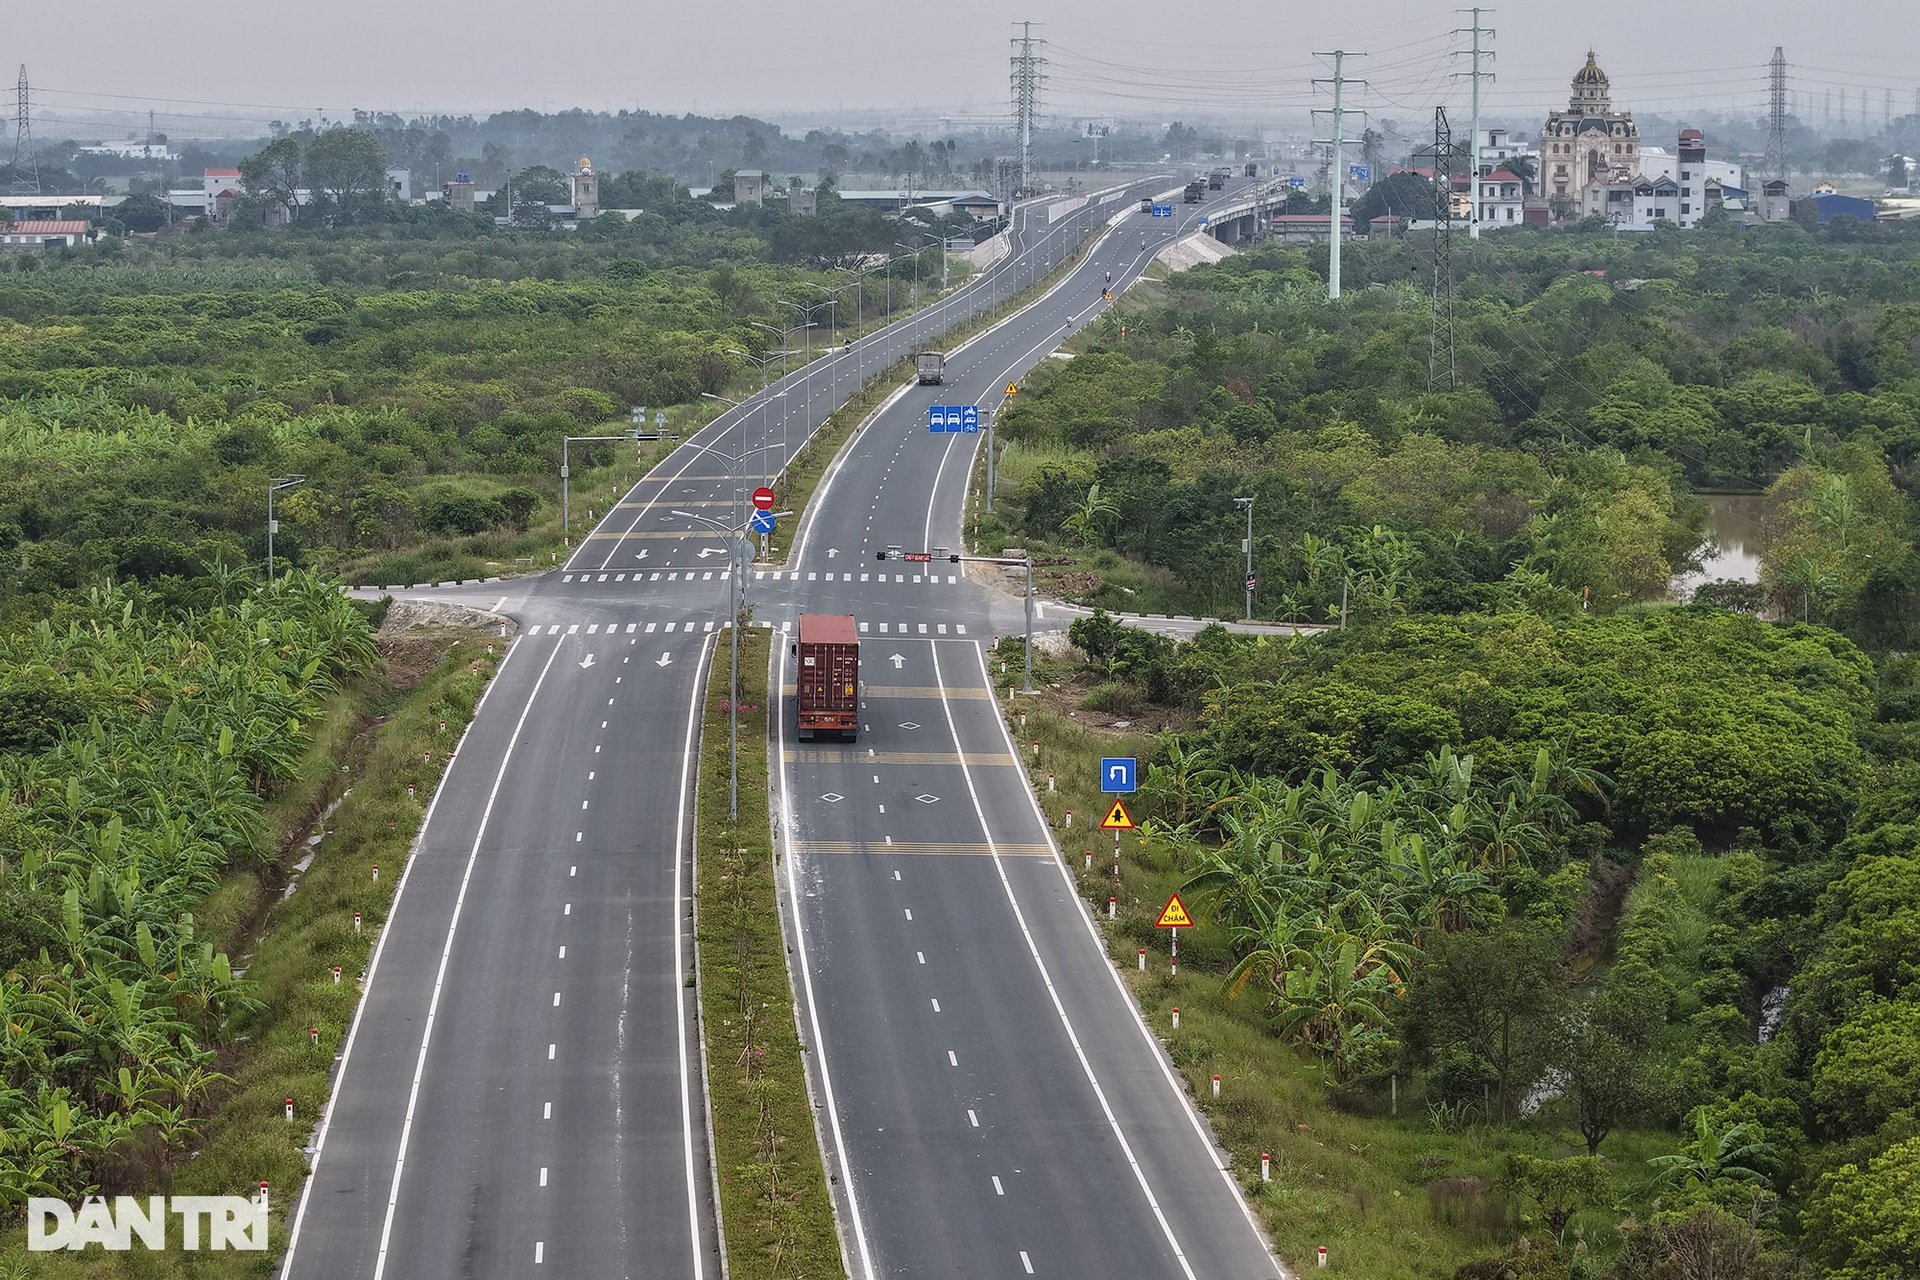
(273, 526)
(1247, 503)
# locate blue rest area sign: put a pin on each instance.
(954, 418)
(762, 522)
(1117, 773)
(1163, 211)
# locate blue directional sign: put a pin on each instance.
(1295, 180)
(1360, 172)
(762, 522)
(1117, 773)
(1163, 211)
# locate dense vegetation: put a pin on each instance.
(1625, 888)
(419, 376)
(1600, 383)
(138, 739)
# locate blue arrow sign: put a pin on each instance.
(1163, 211)
(1117, 773)
(762, 522)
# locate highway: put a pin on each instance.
(521, 1090)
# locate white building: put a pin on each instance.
(1501, 194)
(158, 152)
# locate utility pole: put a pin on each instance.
(1777, 114)
(1473, 141)
(1441, 318)
(26, 165)
(1338, 191)
(1027, 78)
(1247, 546)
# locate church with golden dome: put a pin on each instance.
(1589, 141)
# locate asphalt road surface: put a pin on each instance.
(520, 1094)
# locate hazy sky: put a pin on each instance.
(1122, 59)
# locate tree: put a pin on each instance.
(1090, 517)
(1557, 1188)
(1494, 994)
(349, 168)
(1738, 1153)
(142, 212)
(1863, 1221)
(273, 174)
(1404, 195)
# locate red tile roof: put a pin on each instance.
(62, 228)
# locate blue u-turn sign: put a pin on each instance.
(1117, 773)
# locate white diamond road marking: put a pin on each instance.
(909, 725)
(833, 797)
(928, 799)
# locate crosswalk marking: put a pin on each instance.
(863, 577)
(863, 626)
(631, 626)
(593, 628)
(923, 628)
(650, 627)
(689, 625)
(574, 628)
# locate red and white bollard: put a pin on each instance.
(1113, 905)
(1176, 1017)
(1036, 753)
(313, 1036)
(289, 1110)
(1089, 866)
(1321, 1256)
(443, 726)
(426, 757)
(1050, 782)
(1216, 1086)
(336, 975)
(376, 866)
(263, 1195)
(409, 791)
(356, 922)
(1069, 819)
(1266, 1167)
(1143, 959)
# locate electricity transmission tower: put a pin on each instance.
(1777, 114)
(26, 167)
(1440, 325)
(1337, 190)
(1027, 79)
(1473, 139)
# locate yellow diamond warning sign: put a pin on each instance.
(1117, 819)
(1174, 915)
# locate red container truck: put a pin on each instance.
(829, 675)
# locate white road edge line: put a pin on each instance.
(806, 979)
(446, 953)
(1153, 1046)
(688, 763)
(1033, 949)
(373, 966)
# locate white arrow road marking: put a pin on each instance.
(898, 661)
(641, 556)
(712, 551)
(832, 552)
(665, 659)
(586, 662)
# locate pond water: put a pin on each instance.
(1736, 534)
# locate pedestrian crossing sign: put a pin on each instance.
(1117, 819)
(1174, 915)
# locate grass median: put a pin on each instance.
(775, 1207)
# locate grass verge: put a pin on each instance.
(1392, 1196)
(377, 741)
(774, 1201)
